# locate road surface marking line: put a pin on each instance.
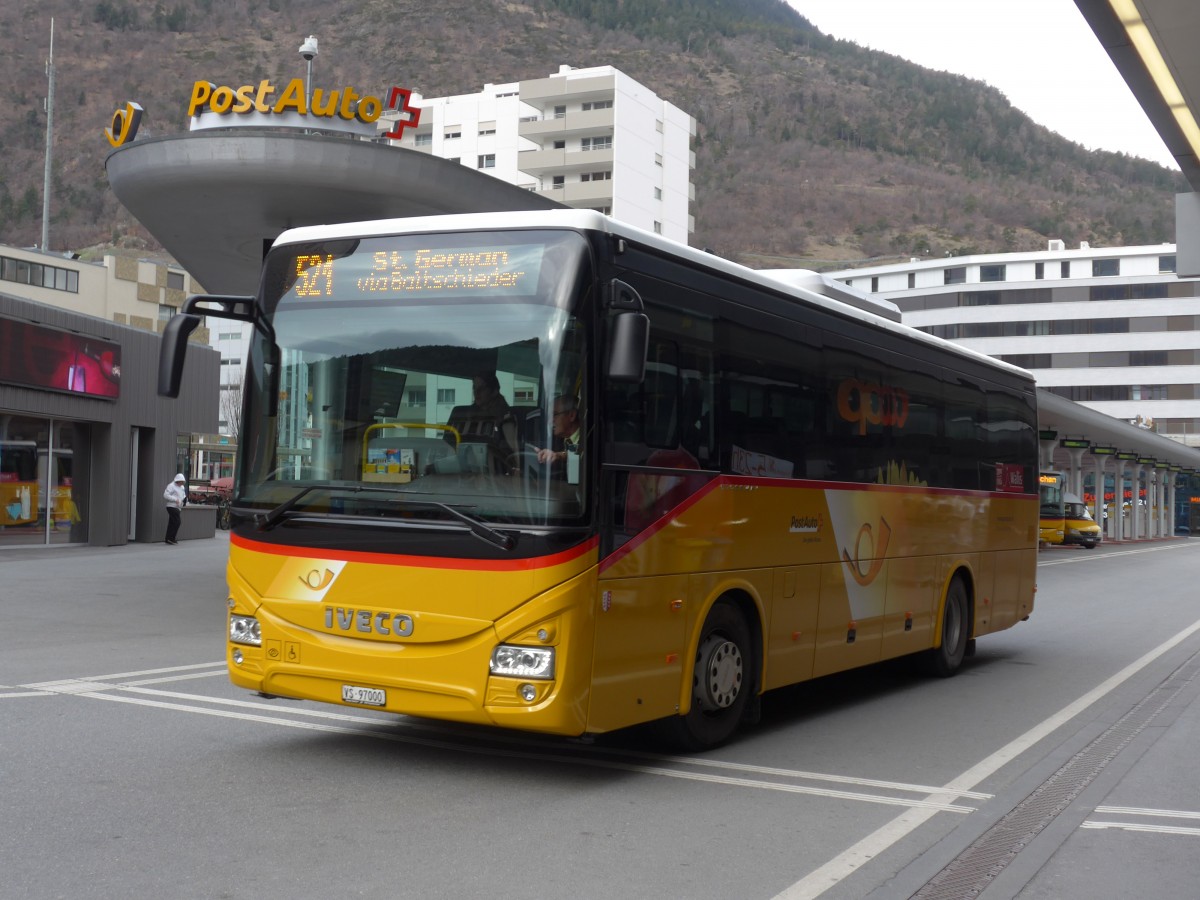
(854, 857)
(1138, 826)
(927, 805)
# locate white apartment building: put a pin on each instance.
(1114, 329)
(589, 138)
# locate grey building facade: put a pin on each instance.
(86, 443)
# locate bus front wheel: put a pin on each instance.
(945, 659)
(722, 682)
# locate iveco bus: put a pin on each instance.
(699, 482)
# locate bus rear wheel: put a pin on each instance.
(722, 682)
(945, 659)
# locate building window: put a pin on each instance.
(912, 280)
(658, 193)
(486, 131)
(596, 176)
(1039, 271)
(658, 159)
(596, 143)
(1105, 267)
(452, 133)
(1148, 357)
(560, 112)
(874, 284)
(1166, 265)
(423, 140)
(445, 395)
(658, 126)
(955, 275)
(175, 281)
(597, 104)
(487, 161)
(165, 313)
(558, 181)
(560, 145)
(658, 227)
(38, 275)
(415, 398)
(1064, 269)
(991, 273)
(454, 159)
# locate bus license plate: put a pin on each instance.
(363, 696)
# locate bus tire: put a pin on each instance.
(722, 682)
(945, 659)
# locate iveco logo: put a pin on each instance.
(369, 621)
(317, 581)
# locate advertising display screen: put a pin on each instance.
(37, 356)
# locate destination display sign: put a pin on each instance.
(481, 271)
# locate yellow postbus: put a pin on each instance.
(1052, 507)
(698, 483)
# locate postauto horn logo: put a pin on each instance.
(125, 123)
(223, 106)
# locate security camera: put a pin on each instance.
(309, 48)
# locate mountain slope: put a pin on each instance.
(809, 149)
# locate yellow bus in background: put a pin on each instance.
(1052, 507)
(1064, 518)
(700, 482)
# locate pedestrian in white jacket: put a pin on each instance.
(175, 496)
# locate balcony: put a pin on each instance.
(563, 162)
(582, 193)
(572, 124)
(547, 92)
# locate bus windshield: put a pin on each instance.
(418, 376)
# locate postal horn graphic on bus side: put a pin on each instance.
(316, 580)
(876, 551)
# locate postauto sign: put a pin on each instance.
(270, 105)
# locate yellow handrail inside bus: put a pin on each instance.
(381, 425)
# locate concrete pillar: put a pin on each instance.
(1075, 475)
(1118, 513)
(1046, 447)
(1098, 503)
(1136, 527)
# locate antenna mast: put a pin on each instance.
(49, 143)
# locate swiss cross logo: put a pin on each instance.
(400, 99)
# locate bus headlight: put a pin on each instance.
(245, 630)
(523, 662)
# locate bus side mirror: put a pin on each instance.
(173, 351)
(627, 348)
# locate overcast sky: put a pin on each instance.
(1040, 53)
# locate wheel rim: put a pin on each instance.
(719, 673)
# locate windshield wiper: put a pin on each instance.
(268, 520)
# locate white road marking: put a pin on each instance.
(364, 726)
(1138, 826)
(1149, 827)
(850, 860)
(1142, 811)
(1087, 557)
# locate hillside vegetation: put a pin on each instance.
(809, 151)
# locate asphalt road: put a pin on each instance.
(1058, 764)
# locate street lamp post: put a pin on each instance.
(309, 51)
